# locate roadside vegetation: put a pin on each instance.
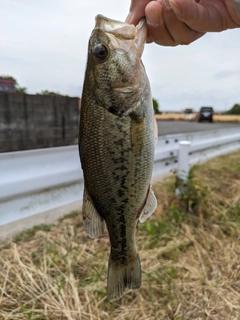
(190, 253)
(232, 115)
(182, 116)
(234, 110)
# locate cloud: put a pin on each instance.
(225, 74)
(44, 46)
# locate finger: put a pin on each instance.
(180, 32)
(165, 28)
(157, 30)
(203, 16)
(136, 11)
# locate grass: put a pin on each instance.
(28, 234)
(190, 252)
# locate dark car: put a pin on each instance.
(205, 114)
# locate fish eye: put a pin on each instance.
(100, 52)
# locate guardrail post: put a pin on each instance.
(183, 167)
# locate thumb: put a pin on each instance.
(136, 11)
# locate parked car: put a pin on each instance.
(205, 114)
(189, 114)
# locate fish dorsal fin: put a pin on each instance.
(93, 223)
(150, 206)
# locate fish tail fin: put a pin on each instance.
(123, 277)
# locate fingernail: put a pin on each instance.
(167, 4)
(152, 24)
(128, 19)
(154, 20)
(176, 8)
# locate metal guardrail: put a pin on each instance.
(45, 180)
(204, 146)
(38, 180)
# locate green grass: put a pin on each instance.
(71, 215)
(28, 234)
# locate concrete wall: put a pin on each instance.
(35, 121)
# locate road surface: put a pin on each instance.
(173, 127)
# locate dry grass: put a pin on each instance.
(170, 116)
(190, 252)
(181, 116)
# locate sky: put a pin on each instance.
(43, 44)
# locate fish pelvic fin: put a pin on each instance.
(123, 277)
(150, 206)
(93, 223)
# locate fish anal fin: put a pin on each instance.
(93, 223)
(123, 277)
(150, 206)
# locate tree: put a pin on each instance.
(50, 93)
(156, 107)
(21, 90)
(234, 110)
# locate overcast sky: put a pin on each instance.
(43, 44)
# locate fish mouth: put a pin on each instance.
(123, 31)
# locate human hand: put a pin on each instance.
(174, 22)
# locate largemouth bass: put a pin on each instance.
(116, 145)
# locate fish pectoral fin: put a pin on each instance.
(150, 206)
(93, 223)
(123, 277)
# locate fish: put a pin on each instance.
(117, 138)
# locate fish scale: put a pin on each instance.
(116, 145)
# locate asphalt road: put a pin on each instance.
(173, 127)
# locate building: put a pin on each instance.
(7, 85)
